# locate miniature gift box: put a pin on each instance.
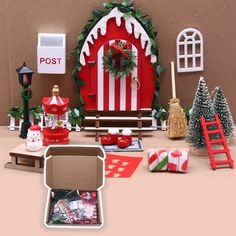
(157, 160)
(74, 167)
(178, 161)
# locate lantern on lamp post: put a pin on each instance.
(25, 77)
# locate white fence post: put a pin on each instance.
(68, 124)
(12, 125)
(77, 128)
(20, 123)
(40, 123)
(154, 121)
(31, 118)
(163, 125)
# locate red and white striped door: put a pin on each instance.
(116, 94)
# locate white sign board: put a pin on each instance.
(51, 53)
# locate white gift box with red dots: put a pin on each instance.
(178, 161)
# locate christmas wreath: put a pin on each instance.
(119, 60)
(26, 94)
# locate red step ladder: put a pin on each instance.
(220, 141)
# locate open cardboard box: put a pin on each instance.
(74, 167)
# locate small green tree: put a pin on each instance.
(222, 109)
(202, 106)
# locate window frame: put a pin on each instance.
(189, 39)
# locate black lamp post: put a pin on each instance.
(25, 77)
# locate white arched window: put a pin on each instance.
(189, 45)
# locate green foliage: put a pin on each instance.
(108, 5)
(221, 108)
(202, 106)
(127, 3)
(35, 111)
(16, 112)
(161, 114)
(187, 112)
(159, 70)
(75, 116)
(127, 7)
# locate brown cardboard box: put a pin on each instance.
(79, 167)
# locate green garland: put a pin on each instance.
(26, 94)
(126, 7)
(126, 65)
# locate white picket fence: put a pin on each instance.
(15, 124)
(163, 126)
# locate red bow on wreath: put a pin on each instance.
(119, 49)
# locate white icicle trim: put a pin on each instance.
(130, 23)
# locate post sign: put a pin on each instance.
(51, 53)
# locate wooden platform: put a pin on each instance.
(21, 159)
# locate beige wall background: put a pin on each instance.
(22, 20)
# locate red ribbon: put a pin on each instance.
(119, 49)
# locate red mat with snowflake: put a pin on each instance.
(121, 166)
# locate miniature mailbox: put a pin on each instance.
(74, 167)
(51, 53)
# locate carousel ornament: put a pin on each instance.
(54, 107)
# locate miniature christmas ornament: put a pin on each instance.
(202, 106)
(157, 160)
(34, 142)
(177, 123)
(111, 138)
(54, 107)
(178, 161)
(221, 108)
(126, 139)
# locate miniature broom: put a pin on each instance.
(177, 123)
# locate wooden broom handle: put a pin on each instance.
(173, 79)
